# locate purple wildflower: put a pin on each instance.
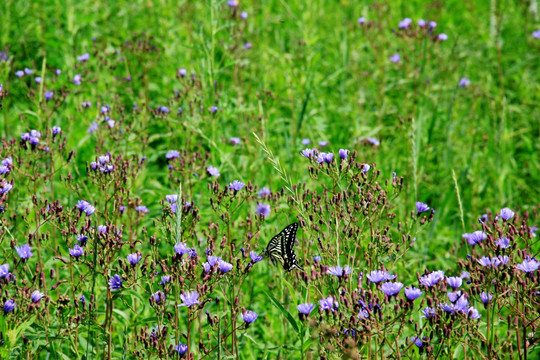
(306, 141)
(164, 110)
(9, 306)
(36, 296)
(48, 95)
(77, 79)
(172, 154)
(454, 282)
(412, 293)
(172, 198)
(323, 143)
(213, 171)
(432, 25)
(305, 309)
(428, 312)
(422, 23)
(19, 73)
(234, 141)
(4, 271)
(165, 279)
(189, 298)
(24, 251)
(339, 271)
(503, 243)
(158, 297)
(432, 278)
(328, 304)
(181, 349)
(373, 141)
(243, 15)
(115, 282)
(76, 252)
(464, 82)
(442, 37)
(264, 192)
(83, 57)
(421, 207)
(263, 210)
(93, 128)
(343, 153)
(224, 266)
(417, 341)
(214, 109)
(308, 153)
(529, 265)
(102, 229)
(485, 261)
(485, 297)
(180, 248)
(473, 313)
(361, 20)
(255, 258)
(377, 276)
(5, 188)
(391, 289)
(536, 34)
(506, 214)
(249, 316)
(134, 258)
(236, 185)
(475, 237)
(396, 58)
(141, 209)
(403, 24)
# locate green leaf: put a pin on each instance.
(284, 311)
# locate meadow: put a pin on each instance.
(269, 179)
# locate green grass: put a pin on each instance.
(312, 72)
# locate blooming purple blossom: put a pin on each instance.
(506, 214)
(323, 143)
(102, 229)
(37, 80)
(328, 304)
(36, 296)
(9, 306)
(172, 154)
(432, 278)
(158, 297)
(83, 57)
(263, 210)
(214, 109)
(485, 297)
(243, 15)
(454, 282)
(189, 298)
(264, 192)
(339, 271)
(141, 209)
(4, 271)
(234, 141)
(403, 24)
(432, 25)
(77, 79)
(442, 37)
(76, 252)
(306, 141)
(248, 45)
(24, 251)
(180, 248)
(164, 110)
(115, 282)
(171, 198)
(422, 23)
(421, 207)
(475, 237)
(325, 157)
(428, 312)
(236, 185)
(529, 265)
(361, 20)
(464, 82)
(213, 171)
(308, 153)
(396, 58)
(305, 309)
(473, 313)
(536, 34)
(181, 349)
(343, 153)
(485, 261)
(377, 276)
(28, 71)
(19, 73)
(48, 95)
(5, 188)
(249, 316)
(454, 296)
(93, 128)
(417, 341)
(255, 258)
(224, 266)
(503, 243)
(165, 279)
(134, 258)
(412, 293)
(373, 141)
(391, 288)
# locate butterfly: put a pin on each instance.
(281, 248)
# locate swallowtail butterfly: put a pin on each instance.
(281, 248)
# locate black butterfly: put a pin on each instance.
(280, 248)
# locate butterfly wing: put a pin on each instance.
(281, 248)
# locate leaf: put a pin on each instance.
(307, 345)
(284, 312)
(122, 314)
(291, 289)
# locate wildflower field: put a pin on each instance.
(269, 179)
